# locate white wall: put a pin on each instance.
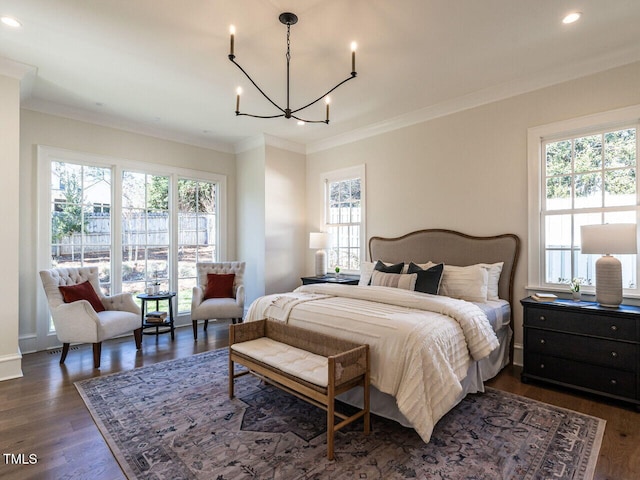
(285, 228)
(466, 171)
(271, 219)
(42, 129)
(10, 357)
(251, 220)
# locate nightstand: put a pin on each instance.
(331, 278)
(583, 345)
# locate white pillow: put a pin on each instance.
(395, 280)
(366, 269)
(466, 283)
(495, 269)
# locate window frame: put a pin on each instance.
(340, 175)
(46, 155)
(537, 137)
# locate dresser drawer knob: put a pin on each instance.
(613, 381)
(614, 328)
(542, 318)
(614, 354)
(542, 342)
(542, 365)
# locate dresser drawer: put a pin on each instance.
(573, 373)
(586, 323)
(608, 353)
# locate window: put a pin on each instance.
(197, 235)
(78, 235)
(145, 231)
(585, 175)
(345, 216)
(139, 227)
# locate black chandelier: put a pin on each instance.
(288, 19)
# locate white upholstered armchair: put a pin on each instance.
(79, 321)
(225, 306)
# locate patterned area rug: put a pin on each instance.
(174, 420)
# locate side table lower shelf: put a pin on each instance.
(157, 328)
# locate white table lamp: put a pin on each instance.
(320, 241)
(608, 239)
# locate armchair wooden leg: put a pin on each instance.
(97, 349)
(194, 324)
(137, 335)
(206, 324)
(65, 350)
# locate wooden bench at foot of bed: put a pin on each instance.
(310, 365)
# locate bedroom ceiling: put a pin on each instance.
(160, 66)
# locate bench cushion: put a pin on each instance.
(294, 361)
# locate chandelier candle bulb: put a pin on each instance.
(232, 31)
(327, 101)
(354, 46)
(238, 92)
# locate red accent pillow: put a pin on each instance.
(219, 285)
(82, 291)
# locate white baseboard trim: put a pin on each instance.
(517, 354)
(10, 366)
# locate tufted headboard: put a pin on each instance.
(452, 248)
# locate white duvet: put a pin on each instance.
(421, 345)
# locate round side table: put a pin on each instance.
(166, 323)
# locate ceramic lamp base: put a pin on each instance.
(321, 263)
(608, 281)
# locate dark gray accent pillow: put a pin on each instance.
(381, 267)
(428, 280)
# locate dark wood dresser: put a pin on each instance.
(584, 346)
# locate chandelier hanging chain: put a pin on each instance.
(288, 62)
(287, 19)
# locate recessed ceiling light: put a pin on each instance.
(572, 17)
(10, 22)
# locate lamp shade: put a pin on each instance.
(609, 238)
(319, 240)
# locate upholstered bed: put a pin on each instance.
(427, 351)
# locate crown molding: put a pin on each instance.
(103, 120)
(284, 144)
(521, 86)
(265, 140)
(13, 69)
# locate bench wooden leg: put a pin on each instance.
(231, 367)
(331, 405)
(330, 429)
(367, 405)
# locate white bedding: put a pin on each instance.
(422, 346)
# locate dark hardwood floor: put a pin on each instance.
(46, 431)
